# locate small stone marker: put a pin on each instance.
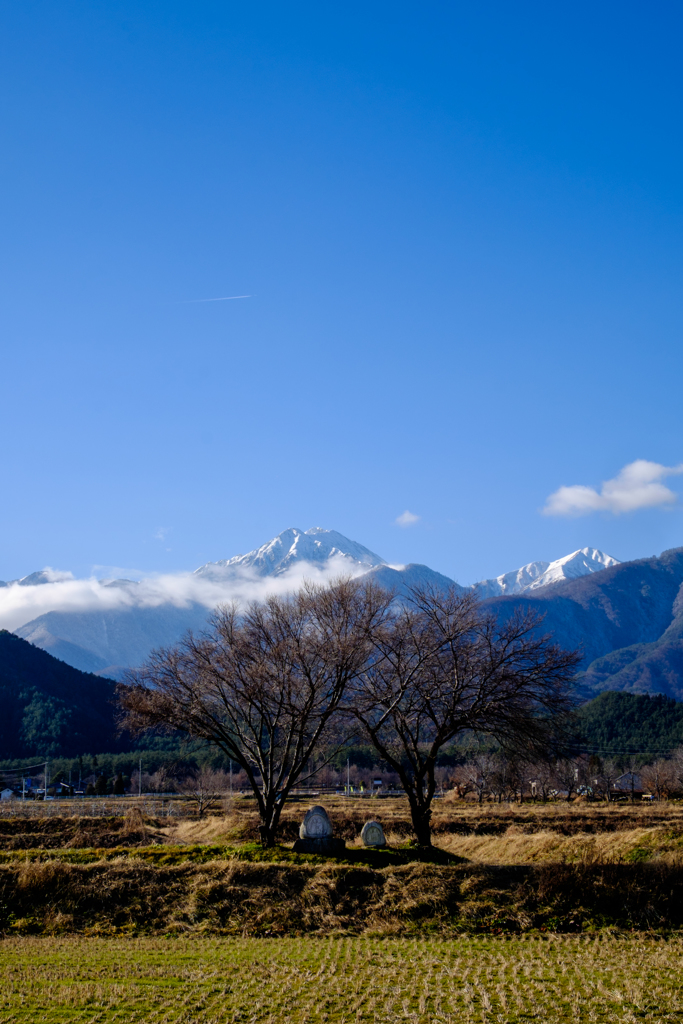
(315, 834)
(373, 834)
(316, 824)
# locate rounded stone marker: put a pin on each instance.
(316, 824)
(373, 834)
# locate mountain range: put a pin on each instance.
(541, 574)
(123, 620)
(292, 547)
(627, 618)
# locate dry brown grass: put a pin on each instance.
(483, 834)
(556, 867)
(237, 897)
(488, 833)
(518, 847)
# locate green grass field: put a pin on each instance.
(316, 980)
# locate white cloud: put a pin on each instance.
(20, 604)
(407, 519)
(638, 485)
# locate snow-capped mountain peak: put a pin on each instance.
(105, 625)
(541, 574)
(291, 546)
(578, 563)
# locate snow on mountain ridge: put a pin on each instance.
(98, 624)
(278, 555)
(542, 574)
(319, 546)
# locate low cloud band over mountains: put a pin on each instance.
(105, 625)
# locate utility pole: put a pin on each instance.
(348, 777)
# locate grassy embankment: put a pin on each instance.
(335, 980)
(507, 869)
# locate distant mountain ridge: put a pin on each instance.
(105, 640)
(627, 620)
(542, 574)
(52, 710)
(654, 666)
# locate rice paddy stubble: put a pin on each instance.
(339, 980)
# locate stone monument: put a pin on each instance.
(315, 834)
(373, 834)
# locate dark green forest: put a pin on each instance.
(50, 708)
(621, 725)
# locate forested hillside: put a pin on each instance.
(623, 724)
(50, 708)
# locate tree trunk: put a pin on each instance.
(422, 827)
(421, 814)
(270, 819)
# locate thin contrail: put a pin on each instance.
(223, 298)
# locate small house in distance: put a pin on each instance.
(630, 785)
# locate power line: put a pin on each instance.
(22, 771)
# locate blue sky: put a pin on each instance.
(459, 226)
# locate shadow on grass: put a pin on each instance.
(375, 858)
(167, 855)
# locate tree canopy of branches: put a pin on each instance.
(264, 685)
(439, 667)
(204, 787)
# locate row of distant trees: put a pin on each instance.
(497, 776)
(482, 775)
(280, 687)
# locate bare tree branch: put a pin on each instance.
(440, 667)
(263, 686)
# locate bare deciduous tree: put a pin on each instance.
(542, 778)
(659, 777)
(262, 686)
(608, 775)
(440, 667)
(677, 768)
(478, 771)
(566, 774)
(204, 787)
